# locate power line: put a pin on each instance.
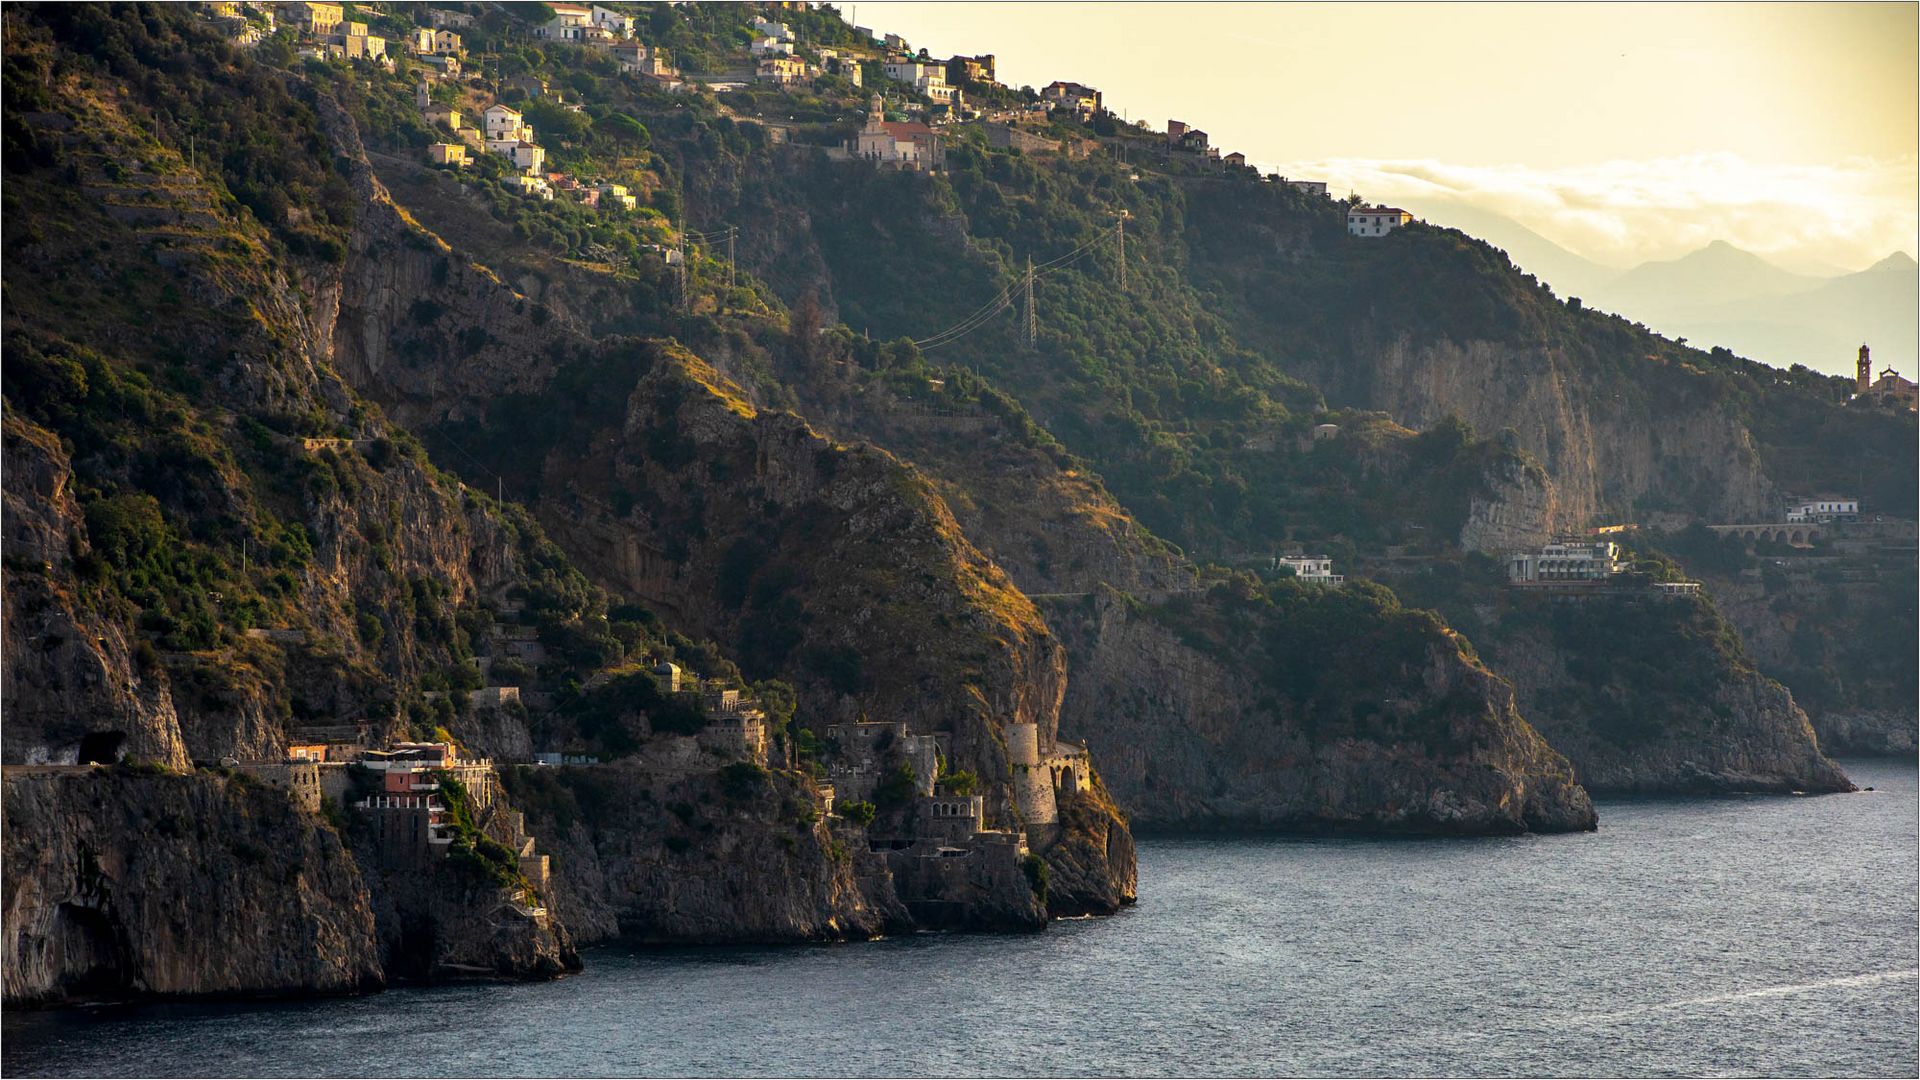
(1004, 298)
(1033, 319)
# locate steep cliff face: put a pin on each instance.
(1518, 511)
(1602, 451)
(1452, 756)
(692, 859)
(69, 671)
(122, 884)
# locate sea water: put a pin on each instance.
(1738, 936)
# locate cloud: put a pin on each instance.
(1848, 214)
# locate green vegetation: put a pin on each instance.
(473, 852)
(1038, 875)
(858, 811)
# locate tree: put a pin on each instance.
(625, 131)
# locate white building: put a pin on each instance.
(570, 23)
(1375, 220)
(1582, 560)
(526, 157)
(767, 46)
(1313, 569)
(777, 30)
(501, 122)
(1824, 510)
(619, 24)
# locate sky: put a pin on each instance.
(1624, 132)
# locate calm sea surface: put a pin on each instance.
(1742, 936)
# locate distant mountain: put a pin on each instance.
(1716, 274)
(1569, 273)
(1724, 296)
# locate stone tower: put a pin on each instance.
(1863, 375)
(1032, 782)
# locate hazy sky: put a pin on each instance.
(1622, 131)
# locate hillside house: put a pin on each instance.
(316, 20)
(971, 69)
(445, 116)
(781, 70)
(454, 154)
(1311, 187)
(616, 195)
(1375, 220)
(1824, 510)
(1236, 160)
(629, 55)
(502, 122)
(570, 22)
(526, 157)
(778, 31)
(766, 46)
(1309, 569)
(447, 43)
(1187, 140)
(617, 23)
(420, 40)
(450, 20)
(901, 145)
(445, 67)
(535, 187)
(354, 43)
(1084, 101)
(846, 67)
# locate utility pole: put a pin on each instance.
(1121, 231)
(730, 232)
(680, 275)
(1033, 321)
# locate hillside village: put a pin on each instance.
(913, 103)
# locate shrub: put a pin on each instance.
(1038, 875)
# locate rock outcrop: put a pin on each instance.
(1465, 762)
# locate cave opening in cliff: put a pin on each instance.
(101, 747)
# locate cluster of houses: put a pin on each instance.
(504, 131)
(327, 33)
(605, 28)
(406, 805)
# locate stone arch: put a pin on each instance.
(1749, 536)
(1799, 537)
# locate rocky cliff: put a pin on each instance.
(122, 883)
(691, 859)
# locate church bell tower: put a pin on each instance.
(1863, 375)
